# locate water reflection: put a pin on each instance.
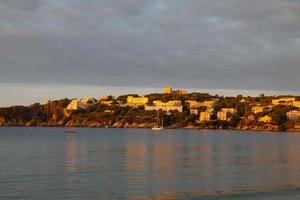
(71, 148)
(142, 165)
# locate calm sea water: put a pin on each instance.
(46, 163)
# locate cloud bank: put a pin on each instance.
(232, 44)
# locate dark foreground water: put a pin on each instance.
(46, 163)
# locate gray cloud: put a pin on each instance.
(233, 44)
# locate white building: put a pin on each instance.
(165, 108)
(81, 104)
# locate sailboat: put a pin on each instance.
(159, 123)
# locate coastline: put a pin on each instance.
(197, 111)
(151, 126)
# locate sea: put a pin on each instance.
(86, 163)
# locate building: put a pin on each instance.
(108, 103)
(106, 98)
(284, 101)
(167, 90)
(222, 116)
(265, 119)
(196, 104)
(166, 106)
(294, 115)
(250, 118)
(169, 103)
(192, 104)
(180, 91)
(243, 100)
(88, 101)
(296, 104)
(137, 101)
(209, 104)
(257, 109)
(81, 104)
(194, 111)
(205, 116)
(225, 114)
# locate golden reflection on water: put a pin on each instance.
(211, 165)
(136, 155)
(71, 149)
(163, 158)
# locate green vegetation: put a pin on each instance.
(119, 115)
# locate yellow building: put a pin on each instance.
(229, 110)
(209, 104)
(179, 91)
(284, 101)
(108, 103)
(167, 90)
(137, 101)
(222, 116)
(196, 104)
(192, 104)
(168, 104)
(225, 113)
(265, 119)
(293, 115)
(257, 109)
(205, 116)
(296, 104)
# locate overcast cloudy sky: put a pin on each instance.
(56, 48)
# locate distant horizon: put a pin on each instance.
(42, 93)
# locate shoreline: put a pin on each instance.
(166, 128)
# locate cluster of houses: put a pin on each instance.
(204, 114)
(225, 114)
(293, 115)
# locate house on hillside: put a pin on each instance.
(265, 119)
(81, 104)
(166, 106)
(287, 101)
(205, 116)
(137, 101)
(294, 115)
(226, 113)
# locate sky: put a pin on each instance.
(73, 48)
